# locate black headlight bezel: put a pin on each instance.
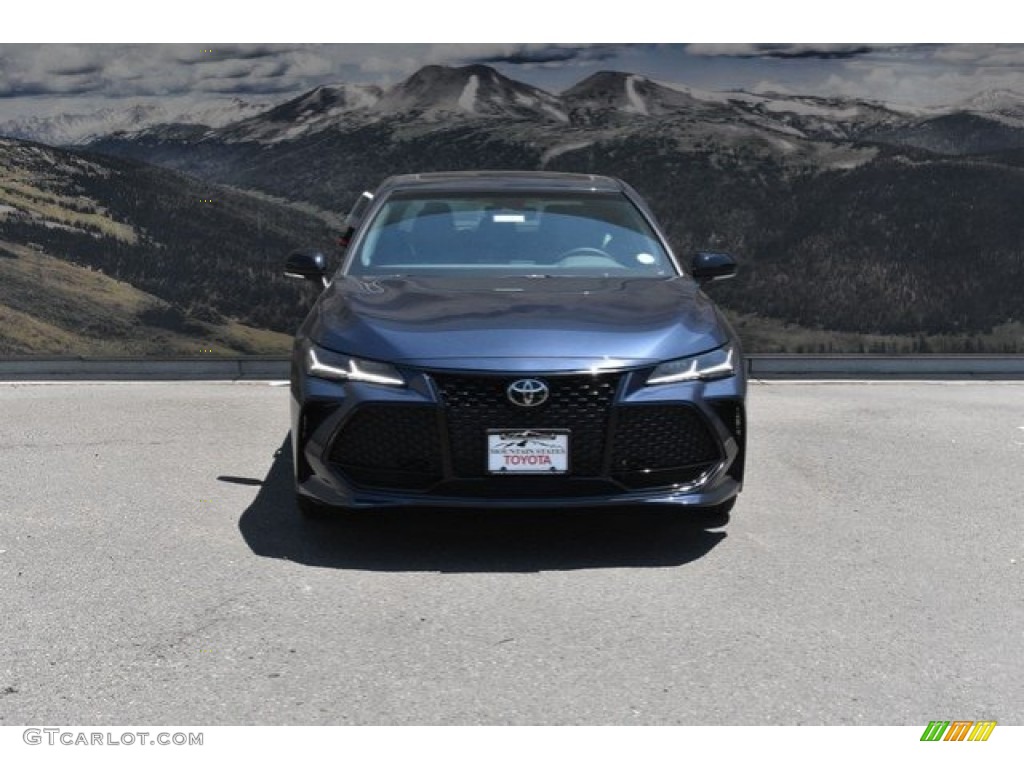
(715, 364)
(322, 363)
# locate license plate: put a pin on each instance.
(528, 451)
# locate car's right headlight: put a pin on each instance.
(716, 364)
(325, 364)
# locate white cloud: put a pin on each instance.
(33, 75)
(987, 55)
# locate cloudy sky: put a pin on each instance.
(48, 78)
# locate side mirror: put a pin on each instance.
(707, 266)
(354, 218)
(309, 265)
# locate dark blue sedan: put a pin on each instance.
(514, 339)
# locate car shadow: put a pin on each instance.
(467, 540)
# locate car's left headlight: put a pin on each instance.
(716, 364)
(325, 364)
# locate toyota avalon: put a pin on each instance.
(514, 339)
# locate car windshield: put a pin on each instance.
(509, 234)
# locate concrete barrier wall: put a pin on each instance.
(141, 369)
(759, 367)
(886, 366)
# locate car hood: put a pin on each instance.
(517, 323)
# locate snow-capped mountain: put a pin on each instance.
(431, 94)
(216, 114)
(327, 99)
(626, 95)
(347, 130)
(1000, 104)
(989, 122)
(81, 128)
(820, 118)
(313, 111)
(631, 94)
(477, 90)
(436, 93)
(617, 101)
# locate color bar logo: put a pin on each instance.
(958, 730)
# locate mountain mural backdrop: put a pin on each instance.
(859, 226)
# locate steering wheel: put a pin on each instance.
(584, 250)
(587, 257)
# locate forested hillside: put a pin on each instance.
(211, 253)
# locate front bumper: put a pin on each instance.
(350, 452)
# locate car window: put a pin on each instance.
(586, 234)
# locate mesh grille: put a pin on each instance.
(474, 404)
(390, 446)
(646, 446)
(661, 445)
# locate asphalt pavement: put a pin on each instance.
(153, 570)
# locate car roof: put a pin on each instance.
(496, 180)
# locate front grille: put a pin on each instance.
(656, 445)
(474, 404)
(390, 446)
(443, 451)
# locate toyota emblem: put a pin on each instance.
(527, 392)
